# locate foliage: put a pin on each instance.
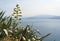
(11, 29)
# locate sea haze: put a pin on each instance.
(46, 24)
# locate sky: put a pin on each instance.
(32, 7)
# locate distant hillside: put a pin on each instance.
(44, 17)
(56, 17)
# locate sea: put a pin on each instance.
(45, 26)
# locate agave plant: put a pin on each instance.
(24, 33)
(2, 24)
(5, 23)
(11, 29)
(28, 34)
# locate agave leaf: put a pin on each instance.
(1, 14)
(9, 22)
(3, 19)
(6, 32)
(45, 36)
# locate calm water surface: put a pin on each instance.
(46, 26)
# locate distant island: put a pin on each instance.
(44, 17)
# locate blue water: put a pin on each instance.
(46, 26)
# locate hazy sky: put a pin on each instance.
(32, 7)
